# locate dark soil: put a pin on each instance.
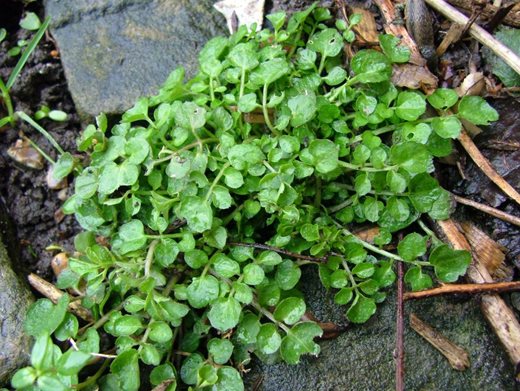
(33, 207)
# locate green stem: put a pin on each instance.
(46, 134)
(186, 148)
(269, 167)
(215, 181)
(149, 257)
(349, 274)
(242, 82)
(101, 321)
(93, 379)
(40, 151)
(338, 207)
(269, 316)
(168, 288)
(230, 217)
(8, 103)
(322, 64)
(369, 246)
(367, 169)
(375, 132)
(211, 92)
(266, 112)
(425, 228)
(175, 235)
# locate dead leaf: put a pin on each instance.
(366, 30)
(414, 77)
(473, 84)
(23, 153)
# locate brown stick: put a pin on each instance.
(485, 166)
(498, 314)
(488, 209)
(457, 356)
(279, 250)
(51, 292)
(399, 340)
(478, 33)
(447, 289)
(489, 10)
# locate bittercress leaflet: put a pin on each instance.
(214, 193)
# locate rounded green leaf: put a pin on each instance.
(225, 313)
(23, 378)
(412, 246)
(447, 127)
(290, 310)
(220, 350)
(196, 258)
(475, 109)
(162, 373)
(228, 380)
(361, 310)
(253, 274)
(160, 332)
(410, 105)
(268, 340)
(443, 98)
(449, 264)
(202, 291)
(126, 325)
(417, 279)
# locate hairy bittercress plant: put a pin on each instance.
(206, 191)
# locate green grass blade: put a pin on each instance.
(46, 134)
(27, 52)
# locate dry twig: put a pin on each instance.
(399, 340)
(500, 317)
(447, 289)
(457, 356)
(485, 166)
(489, 11)
(489, 210)
(51, 292)
(478, 33)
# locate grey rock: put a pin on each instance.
(114, 51)
(15, 299)
(362, 357)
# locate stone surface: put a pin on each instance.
(362, 357)
(15, 298)
(115, 51)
